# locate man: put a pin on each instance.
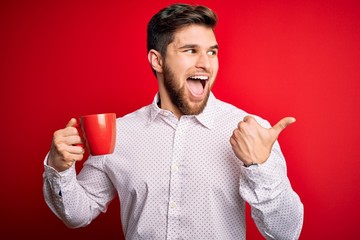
(187, 163)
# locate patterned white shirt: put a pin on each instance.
(179, 179)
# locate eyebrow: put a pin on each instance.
(216, 46)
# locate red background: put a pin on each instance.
(62, 59)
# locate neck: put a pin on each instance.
(165, 103)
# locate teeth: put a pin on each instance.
(199, 77)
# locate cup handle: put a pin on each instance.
(78, 128)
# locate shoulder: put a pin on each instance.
(138, 117)
(231, 113)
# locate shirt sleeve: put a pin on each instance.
(74, 198)
(275, 207)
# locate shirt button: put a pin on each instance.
(172, 205)
(175, 168)
(165, 113)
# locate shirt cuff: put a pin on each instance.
(52, 173)
(262, 182)
(57, 182)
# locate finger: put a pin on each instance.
(248, 118)
(66, 132)
(232, 141)
(282, 124)
(236, 134)
(73, 139)
(71, 153)
(76, 150)
(68, 144)
(70, 158)
(241, 125)
(71, 123)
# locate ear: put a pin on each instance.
(155, 60)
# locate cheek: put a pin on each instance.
(215, 68)
(215, 64)
(180, 67)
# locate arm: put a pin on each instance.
(76, 200)
(276, 208)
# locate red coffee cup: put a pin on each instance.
(98, 132)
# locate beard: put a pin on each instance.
(179, 97)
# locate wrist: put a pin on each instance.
(249, 164)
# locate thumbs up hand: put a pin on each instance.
(252, 143)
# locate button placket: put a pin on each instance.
(174, 208)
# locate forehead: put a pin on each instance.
(195, 35)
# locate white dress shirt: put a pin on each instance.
(179, 179)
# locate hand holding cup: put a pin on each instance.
(97, 132)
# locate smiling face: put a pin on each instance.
(188, 70)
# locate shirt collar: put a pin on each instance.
(206, 118)
(154, 109)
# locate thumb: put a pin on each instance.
(282, 124)
(72, 123)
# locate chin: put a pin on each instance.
(194, 108)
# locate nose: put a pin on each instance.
(203, 61)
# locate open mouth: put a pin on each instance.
(197, 84)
